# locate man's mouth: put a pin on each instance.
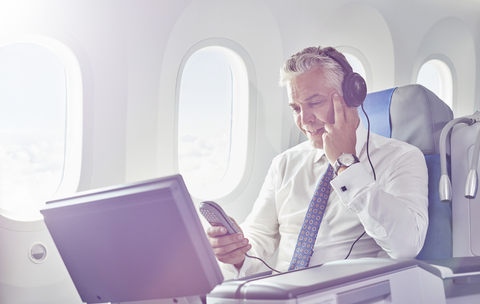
(313, 132)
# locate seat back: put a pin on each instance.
(417, 116)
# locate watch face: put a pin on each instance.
(346, 159)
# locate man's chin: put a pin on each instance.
(317, 144)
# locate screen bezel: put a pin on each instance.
(113, 242)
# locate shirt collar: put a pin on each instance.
(361, 133)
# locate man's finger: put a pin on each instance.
(214, 231)
(221, 241)
(234, 257)
(351, 115)
(338, 105)
(230, 247)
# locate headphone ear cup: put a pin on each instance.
(354, 89)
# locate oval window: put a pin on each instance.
(436, 76)
(212, 121)
(32, 127)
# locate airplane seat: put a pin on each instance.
(414, 114)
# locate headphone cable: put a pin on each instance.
(368, 140)
(374, 177)
(265, 263)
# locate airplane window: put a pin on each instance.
(436, 76)
(212, 107)
(32, 127)
(204, 126)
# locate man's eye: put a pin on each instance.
(296, 110)
(316, 103)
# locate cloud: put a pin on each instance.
(30, 173)
(204, 161)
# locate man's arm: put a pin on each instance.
(261, 228)
(394, 208)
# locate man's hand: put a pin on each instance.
(229, 249)
(340, 137)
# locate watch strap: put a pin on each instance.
(338, 163)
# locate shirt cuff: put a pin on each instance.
(239, 273)
(350, 183)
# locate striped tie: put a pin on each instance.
(308, 234)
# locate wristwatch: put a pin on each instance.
(344, 160)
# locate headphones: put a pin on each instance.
(354, 87)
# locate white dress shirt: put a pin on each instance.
(393, 209)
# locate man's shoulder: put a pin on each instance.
(395, 145)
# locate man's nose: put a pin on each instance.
(307, 117)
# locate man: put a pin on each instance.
(387, 200)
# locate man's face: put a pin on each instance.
(311, 103)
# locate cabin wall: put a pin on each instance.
(129, 53)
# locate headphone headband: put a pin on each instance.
(354, 87)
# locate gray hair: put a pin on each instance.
(309, 59)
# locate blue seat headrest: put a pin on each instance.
(410, 113)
